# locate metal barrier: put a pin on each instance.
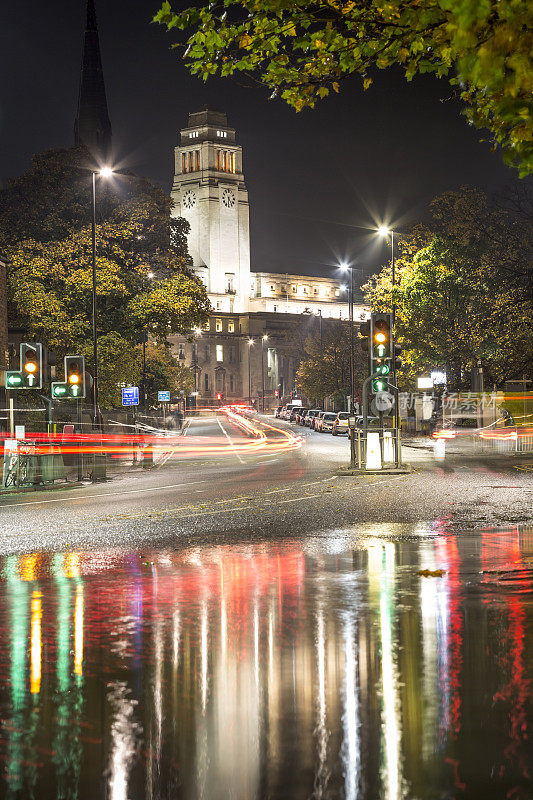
(504, 440)
(388, 438)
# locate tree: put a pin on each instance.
(164, 372)
(302, 51)
(144, 284)
(463, 296)
(324, 370)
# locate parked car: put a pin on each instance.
(291, 416)
(287, 410)
(300, 416)
(326, 421)
(309, 417)
(317, 420)
(278, 411)
(340, 424)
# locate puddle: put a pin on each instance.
(320, 669)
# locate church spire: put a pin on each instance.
(92, 127)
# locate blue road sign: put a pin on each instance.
(130, 396)
(163, 397)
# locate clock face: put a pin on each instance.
(189, 199)
(228, 198)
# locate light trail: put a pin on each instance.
(147, 444)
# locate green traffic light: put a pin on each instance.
(14, 379)
(59, 391)
(379, 386)
(381, 350)
(382, 369)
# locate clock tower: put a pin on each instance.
(210, 193)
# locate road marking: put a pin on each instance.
(230, 442)
(103, 494)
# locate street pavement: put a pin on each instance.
(245, 622)
(229, 492)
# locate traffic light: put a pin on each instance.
(30, 374)
(75, 375)
(381, 351)
(73, 387)
(219, 395)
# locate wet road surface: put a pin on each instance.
(234, 494)
(323, 667)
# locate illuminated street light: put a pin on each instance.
(384, 230)
(344, 267)
(263, 340)
(250, 343)
(105, 172)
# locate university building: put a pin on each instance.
(257, 317)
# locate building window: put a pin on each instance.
(293, 288)
(220, 352)
(193, 135)
(181, 352)
(315, 289)
(225, 161)
(272, 287)
(195, 352)
(184, 162)
(230, 278)
(197, 160)
(275, 309)
(232, 354)
(207, 354)
(219, 305)
(206, 326)
(231, 326)
(337, 292)
(218, 326)
(231, 383)
(206, 382)
(222, 134)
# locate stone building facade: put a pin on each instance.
(248, 342)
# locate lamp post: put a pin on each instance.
(150, 275)
(263, 340)
(319, 314)
(384, 231)
(349, 269)
(250, 345)
(195, 367)
(105, 172)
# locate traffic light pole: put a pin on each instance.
(352, 365)
(95, 343)
(397, 394)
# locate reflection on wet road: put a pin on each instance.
(319, 669)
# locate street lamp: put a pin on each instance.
(149, 275)
(250, 345)
(263, 340)
(384, 231)
(347, 268)
(319, 314)
(104, 172)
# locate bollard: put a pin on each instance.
(388, 449)
(373, 451)
(439, 449)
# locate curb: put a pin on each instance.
(39, 488)
(404, 469)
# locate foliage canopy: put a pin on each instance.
(462, 292)
(144, 285)
(302, 51)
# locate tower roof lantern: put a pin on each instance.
(208, 116)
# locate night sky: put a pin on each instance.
(316, 180)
